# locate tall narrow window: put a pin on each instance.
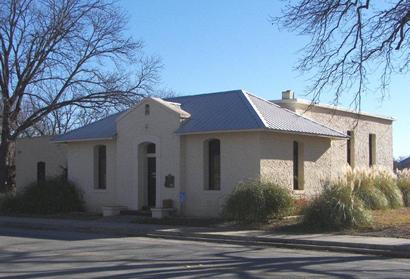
(214, 165)
(101, 167)
(41, 171)
(372, 149)
(349, 147)
(297, 166)
(147, 109)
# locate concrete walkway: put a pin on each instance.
(123, 226)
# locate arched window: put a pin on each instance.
(151, 148)
(41, 171)
(213, 164)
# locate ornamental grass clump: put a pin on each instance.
(403, 182)
(376, 187)
(336, 208)
(362, 182)
(386, 182)
(256, 201)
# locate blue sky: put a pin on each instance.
(209, 46)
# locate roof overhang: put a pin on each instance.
(264, 130)
(82, 140)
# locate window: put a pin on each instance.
(297, 166)
(213, 165)
(151, 148)
(147, 109)
(349, 148)
(101, 167)
(41, 171)
(372, 149)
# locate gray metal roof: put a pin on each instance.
(281, 119)
(222, 111)
(105, 128)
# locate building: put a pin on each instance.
(403, 164)
(190, 152)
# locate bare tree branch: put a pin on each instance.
(60, 59)
(349, 40)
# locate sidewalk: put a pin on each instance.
(122, 226)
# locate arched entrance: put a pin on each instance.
(147, 174)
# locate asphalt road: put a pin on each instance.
(56, 254)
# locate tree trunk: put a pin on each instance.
(4, 168)
(6, 150)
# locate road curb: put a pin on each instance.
(292, 244)
(346, 247)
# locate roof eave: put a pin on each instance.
(263, 130)
(83, 140)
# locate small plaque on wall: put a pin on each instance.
(170, 181)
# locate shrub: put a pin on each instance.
(54, 195)
(256, 201)
(335, 208)
(403, 182)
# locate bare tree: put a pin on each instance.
(60, 55)
(350, 41)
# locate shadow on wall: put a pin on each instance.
(282, 150)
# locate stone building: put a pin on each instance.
(188, 153)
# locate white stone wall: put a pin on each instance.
(362, 126)
(30, 151)
(276, 160)
(136, 128)
(239, 161)
(80, 157)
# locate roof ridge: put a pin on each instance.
(255, 109)
(204, 94)
(294, 113)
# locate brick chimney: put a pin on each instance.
(288, 95)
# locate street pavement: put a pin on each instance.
(57, 254)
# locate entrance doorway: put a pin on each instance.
(152, 180)
(147, 175)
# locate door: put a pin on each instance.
(152, 181)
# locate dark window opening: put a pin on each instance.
(295, 165)
(101, 167)
(41, 171)
(214, 165)
(151, 148)
(147, 109)
(372, 149)
(349, 148)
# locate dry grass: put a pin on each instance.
(389, 223)
(391, 218)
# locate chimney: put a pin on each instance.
(288, 95)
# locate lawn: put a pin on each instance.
(388, 223)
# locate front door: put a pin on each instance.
(152, 181)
